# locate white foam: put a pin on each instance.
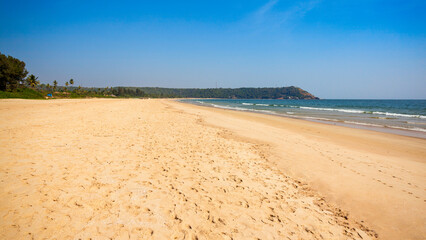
(367, 112)
(229, 107)
(364, 124)
(321, 119)
(265, 111)
(328, 119)
(400, 115)
(334, 109)
(255, 104)
(412, 129)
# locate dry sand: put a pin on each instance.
(158, 169)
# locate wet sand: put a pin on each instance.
(159, 169)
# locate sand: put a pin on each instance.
(159, 169)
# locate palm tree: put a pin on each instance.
(48, 87)
(32, 80)
(72, 81)
(55, 84)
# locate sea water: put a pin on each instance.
(406, 115)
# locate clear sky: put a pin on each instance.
(332, 48)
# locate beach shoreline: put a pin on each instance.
(159, 168)
(383, 129)
(344, 145)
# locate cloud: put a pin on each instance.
(265, 8)
(267, 16)
(298, 11)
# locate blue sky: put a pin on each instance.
(332, 48)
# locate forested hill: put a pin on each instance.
(247, 93)
(14, 83)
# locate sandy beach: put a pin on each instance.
(161, 169)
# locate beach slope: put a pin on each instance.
(159, 169)
(379, 178)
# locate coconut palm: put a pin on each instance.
(72, 81)
(55, 84)
(32, 80)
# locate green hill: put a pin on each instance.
(247, 93)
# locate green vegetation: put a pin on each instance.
(246, 93)
(15, 84)
(26, 93)
(12, 73)
(32, 81)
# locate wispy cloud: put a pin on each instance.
(298, 11)
(268, 16)
(265, 8)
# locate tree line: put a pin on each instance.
(13, 73)
(13, 76)
(242, 93)
(15, 82)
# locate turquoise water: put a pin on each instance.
(393, 114)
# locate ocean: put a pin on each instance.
(407, 117)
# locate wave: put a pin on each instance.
(243, 109)
(334, 109)
(365, 112)
(400, 115)
(343, 110)
(367, 124)
(340, 110)
(257, 104)
(364, 124)
(328, 119)
(412, 129)
(265, 111)
(229, 107)
(321, 119)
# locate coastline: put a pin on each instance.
(162, 169)
(356, 125)
(361, 170)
